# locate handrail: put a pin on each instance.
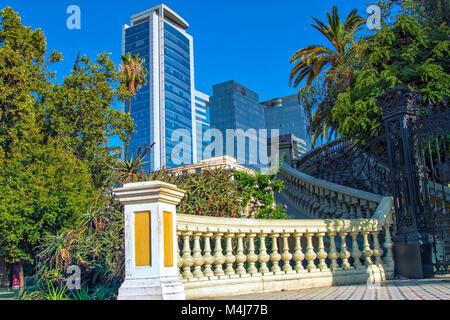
(332, 186)
(248, 255)
(318, 198)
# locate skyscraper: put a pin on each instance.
(164, 109)
(235, 107)
(202, 118)
(288, 116)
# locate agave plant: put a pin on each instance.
(132, 170)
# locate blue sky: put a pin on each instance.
(250, 41)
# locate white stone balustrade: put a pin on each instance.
(325, 200)
(172, 256)
(271, 255)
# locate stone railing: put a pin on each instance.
(223, 256)
(322, 199)
(309, 160)
(348, 163)
(172, 256)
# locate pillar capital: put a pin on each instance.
(149, 192)
(399, 101)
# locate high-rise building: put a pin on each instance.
(235, 107)
(288, 116)
(202, 118)
(164, 109)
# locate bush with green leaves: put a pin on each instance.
(95, 245)
(226, 193)
(403, 54)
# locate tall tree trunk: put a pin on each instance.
(129, 133)
(4, 279)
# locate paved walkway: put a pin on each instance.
(423, 289)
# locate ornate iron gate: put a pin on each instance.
(418, 143)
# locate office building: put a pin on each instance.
(202, 119)
(236, 108)
(164, 109)
(288, 116)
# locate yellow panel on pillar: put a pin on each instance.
(142, 239)
(168, 239)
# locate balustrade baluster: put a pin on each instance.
(219, 258)
(356, 253)
(344, 253)
(310, 254)
(367, 252)
(286, 256)
(321, 253)
(241, 258)
(229, 257)
(298, 255)
(263, 257)
(333, 254)
(388, 244)
(275, 257)
(179, 258)
(198, 259)
(188, 261)
(252, 257)
(209, 259)
(377, 251)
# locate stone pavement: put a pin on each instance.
(422, 289)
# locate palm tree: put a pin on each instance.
(335, 62)
(314, 59)
(135, 76)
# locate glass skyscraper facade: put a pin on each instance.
(288, 116)
(178, 93)
(163, 110)
(202, 118)
(233, 107)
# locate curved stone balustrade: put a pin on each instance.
(309, 160)
(246, 255)
(347, 163)
(322, 199)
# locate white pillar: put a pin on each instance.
(151, 271)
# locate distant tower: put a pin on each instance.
(167, 102)
(288, 116)
(202, 118)
(234, 107)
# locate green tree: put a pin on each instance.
(257, 193)
(80, 113)
(427, 12)
(43, 189)
(404, 54)
(335, 63)
(54, 154)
